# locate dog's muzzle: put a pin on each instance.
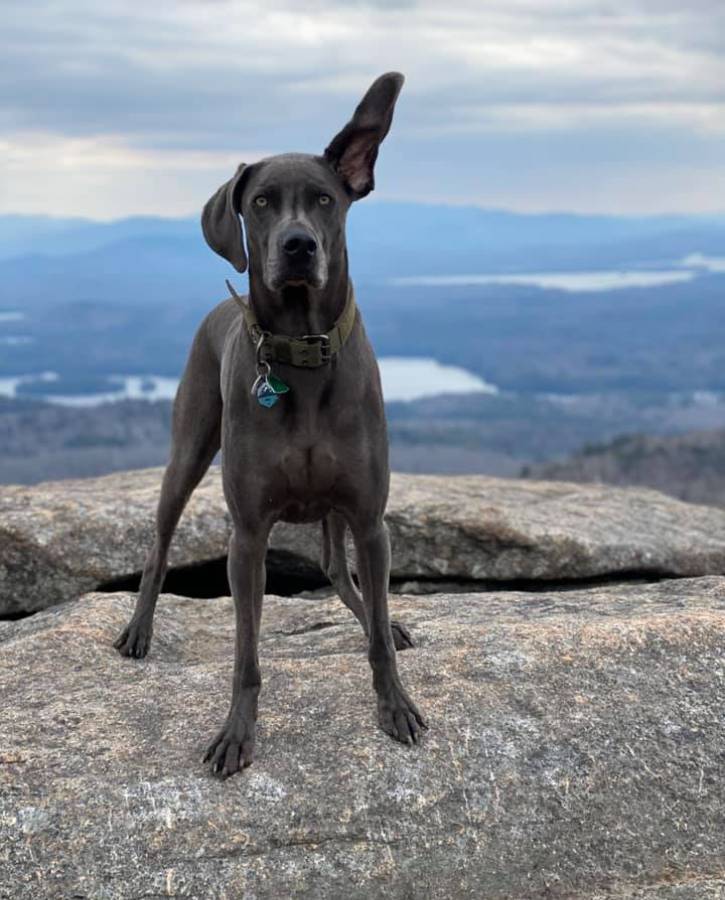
(299, 256)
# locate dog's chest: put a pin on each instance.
(307, 452)
(309, 472)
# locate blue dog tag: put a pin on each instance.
(269, 389)
(266, 395)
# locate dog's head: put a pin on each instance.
(294, 205)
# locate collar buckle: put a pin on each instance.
(307, 350)
(322, 343)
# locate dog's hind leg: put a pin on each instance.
(335, 566)
(195, 441)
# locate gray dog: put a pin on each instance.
(286, 383)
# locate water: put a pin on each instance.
(9, 384)
(406, 378)
(700, 261)
(129, 387)
(573, 282)
(686, 269)
(402, 379)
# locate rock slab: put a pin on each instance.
(61, 539)
(575, 751)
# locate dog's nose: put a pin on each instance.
(299, 245)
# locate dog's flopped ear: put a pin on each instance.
(352, 153)
(220, 222)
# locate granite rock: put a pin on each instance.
(575, 751)
(60, 539)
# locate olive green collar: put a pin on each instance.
(308, 351)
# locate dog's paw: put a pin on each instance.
(232, 749)
(399, 717)
(401, 636)
(134, 640)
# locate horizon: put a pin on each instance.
(714, 215)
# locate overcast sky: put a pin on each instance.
(112, 107)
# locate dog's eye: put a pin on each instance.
(260, 201)
(324, 199)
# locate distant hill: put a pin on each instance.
(89, 300)
(689, 466)
(51, 236)
(399, 239)
(494, 434)
(133, 308)
(126, 296)
(41, 441)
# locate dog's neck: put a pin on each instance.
(298, 309)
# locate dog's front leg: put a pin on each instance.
(397, 714)
(233, 747)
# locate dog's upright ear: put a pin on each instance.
(352, 152)
(220, 222)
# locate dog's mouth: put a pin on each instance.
(311, 280)
(280, 273)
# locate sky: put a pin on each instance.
(120, 107)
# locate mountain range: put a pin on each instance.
(88, 300)
(126, 296)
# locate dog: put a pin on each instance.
(285, 382)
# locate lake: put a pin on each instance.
(403, 378)
(678, 271)
(573, 282)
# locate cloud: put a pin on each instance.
(105, 178)
(166, 82)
